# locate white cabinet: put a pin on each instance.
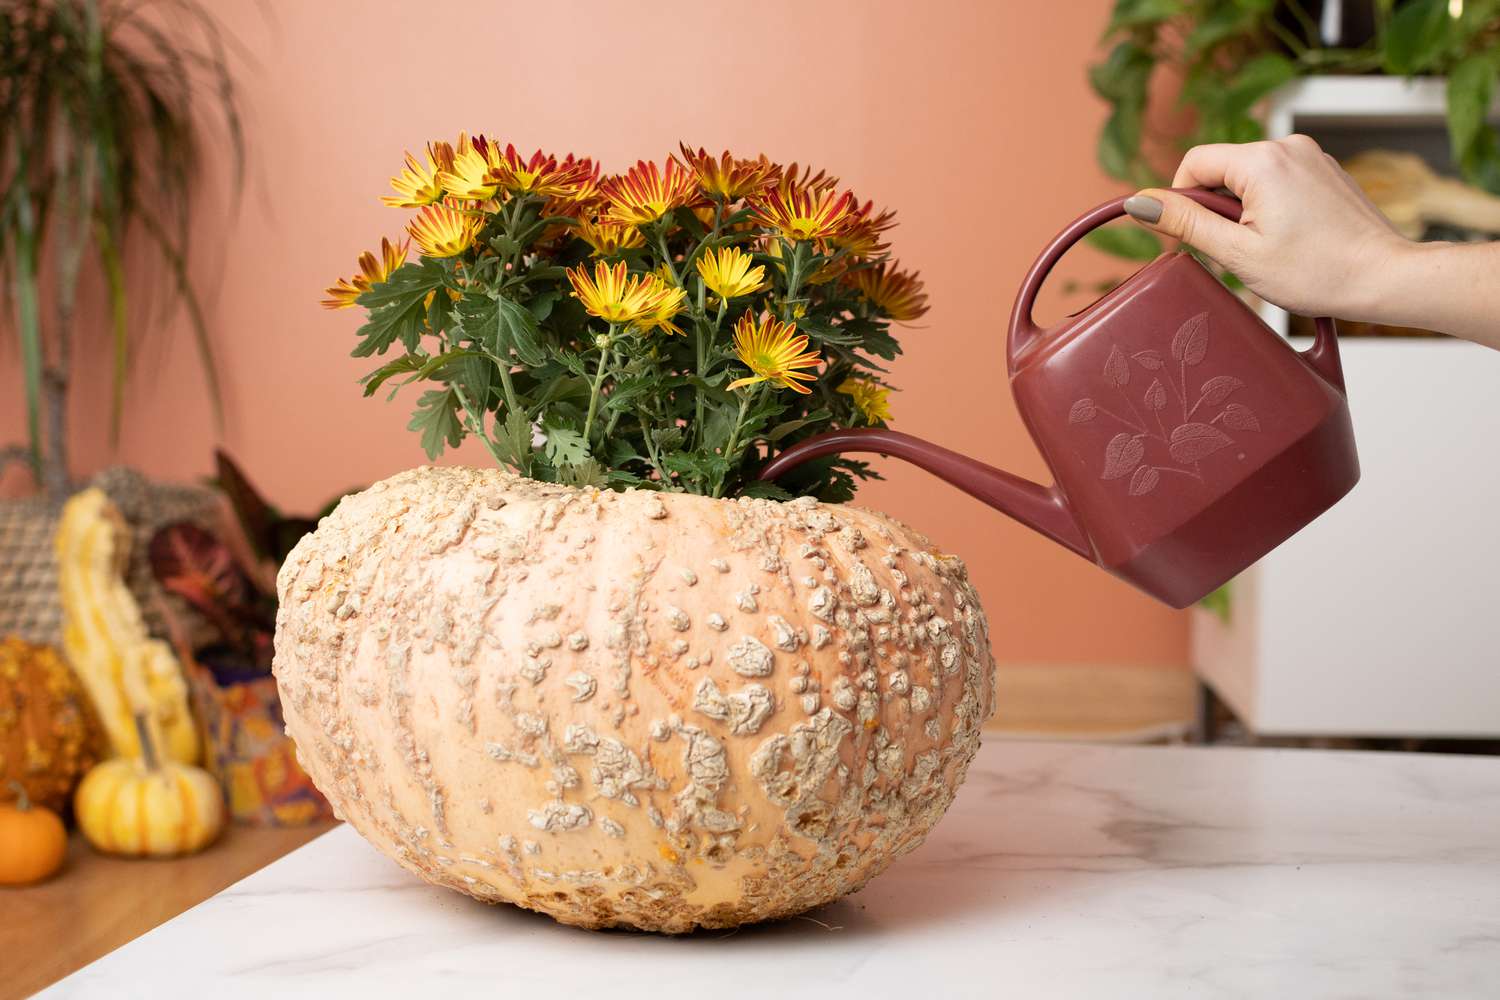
(1382, 618)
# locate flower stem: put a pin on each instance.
(731, 450)
(588, 421)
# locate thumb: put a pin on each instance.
(1180, 217)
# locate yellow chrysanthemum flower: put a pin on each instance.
(608, 238)
(896, 294)
(775, 352)
(647, 193)
(669, 302)
(474, 174)
(728, 273)
(804, 213)
(617, 296)
(871, 399)
(729, 178)
(373, 271)
(444, 231)
(417, 184)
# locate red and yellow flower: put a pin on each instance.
(727, 177)
(861, 237)
(443, 230)
(417, 184)
(616, 296)
(373, 271)
(728, 274)
(542, 174)
(774, 352)
(472, 175)
(870, 398)
(804, 213)
(646, 193)
(609, 238)
(898, 295)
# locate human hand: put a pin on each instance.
(1308, 239)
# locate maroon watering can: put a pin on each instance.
(1187, 439)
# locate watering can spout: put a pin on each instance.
(1040, 508)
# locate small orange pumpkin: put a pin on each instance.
(33, 842)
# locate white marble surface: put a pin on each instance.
(1061, 871)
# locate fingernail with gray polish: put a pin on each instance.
(1144, 208)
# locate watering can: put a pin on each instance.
(1186, 438)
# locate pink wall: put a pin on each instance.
(973, 119)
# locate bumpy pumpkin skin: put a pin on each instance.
(629, 709)
(48, 734)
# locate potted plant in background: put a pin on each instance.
(619, 679)
(106, 105)
(1232, 54)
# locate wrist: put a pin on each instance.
(1396, 284)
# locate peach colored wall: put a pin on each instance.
(973, 119)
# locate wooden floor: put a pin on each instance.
(95, 904)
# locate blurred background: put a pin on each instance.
(987, 126)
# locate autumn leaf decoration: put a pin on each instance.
(1186, 441)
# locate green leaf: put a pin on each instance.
(518, 331)
(1255, 80)
(1471, 87)
(1124, 73)
(565, 445)
(1417, 34)
(1221, 24)
(1120, 142)
(541, 305)
(781, 430)
(437, 419)
(513, 440)
(404, 365)
(1138, 13)
(1125, 240)
(396, 308)
(762, 489)
(1218, 603)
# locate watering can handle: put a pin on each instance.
(1322, 356)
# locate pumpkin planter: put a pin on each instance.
(635, 709)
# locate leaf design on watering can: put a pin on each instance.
(1156, 396)
(1149, 360)
(1238, 417)
(1123, 454)
(1218, 389)
(1195, 442)
(1116, 369)
(1144, 480)
(1190, 345)
(1083, 411)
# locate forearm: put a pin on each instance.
(1452, 288)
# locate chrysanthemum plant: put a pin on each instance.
(668, 328)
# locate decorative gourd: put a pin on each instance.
(105, 637)
(33, 842)
(149, 807)
(642, 709)
(48, 736)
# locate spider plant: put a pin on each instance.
(105, 106)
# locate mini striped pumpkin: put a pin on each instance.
(149, 807)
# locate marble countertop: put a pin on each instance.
(1061, 871)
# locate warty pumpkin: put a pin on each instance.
(148, 806)
(650, 710)
(48, 735)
